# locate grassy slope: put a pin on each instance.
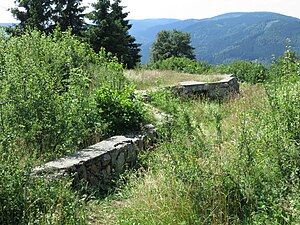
(154, 197)
(148, 79)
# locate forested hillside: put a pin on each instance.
(233, 36)
(66, 85)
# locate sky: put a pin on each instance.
(186, 9)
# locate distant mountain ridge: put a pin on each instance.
(6, 24)
(228, 37)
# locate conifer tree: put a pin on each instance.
(69, 14)
(34, 14)
(45, 15)
(110, 31)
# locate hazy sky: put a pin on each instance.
(186, 9)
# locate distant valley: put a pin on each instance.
(228, 37)
(6, 24)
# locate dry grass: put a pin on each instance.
(150, 199)
(104, 212)
(250, 97)
(158, 201)
(153, 197)
(147, 79)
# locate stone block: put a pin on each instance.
(131, 155)
(120, 163)
(105, 159)
(81, 172)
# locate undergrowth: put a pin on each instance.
(53, 90)
(234, 161)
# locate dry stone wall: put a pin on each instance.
(218, 89)
(101, 163)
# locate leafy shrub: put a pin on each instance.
(44, 91)
(287, 67)
(28, 200)
(119, 109)
(249, 72)
(185, 65)
(46, 96)
(48, 109)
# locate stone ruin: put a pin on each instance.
(212, 90)
(103, 162)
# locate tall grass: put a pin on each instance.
(148, 79)
(230, 162)
(153, 194)
(234, 161)
(54, 97)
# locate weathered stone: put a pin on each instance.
(104, 174)
(120, 163)
(131, 154)
(81, 172)
(151, 134)
(93, 180)
(208, 89)
(106, 159)
(114, 154)
(94, 169)
(218, 89)
(97, 164)
(108, 170)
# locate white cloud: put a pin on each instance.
(185, 9)
(206, 8)
(5, 16)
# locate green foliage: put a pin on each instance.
(283, 93)
(287, 67)
(47, 98)
(110, 31)
(119, 109)
(172, 44)
(268, 167)
(178, 64)
(37, 14)
(49, 108)
(249, 72)
(68, 14)
(249, 177)
(45, 15)
(44, 91)
(32, 200)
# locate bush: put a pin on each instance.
(287, 67)
(25, 199)
(119, 109)
(44, 91)
(48, 109)
(185, 65)
(249, 72)
(47, 98)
